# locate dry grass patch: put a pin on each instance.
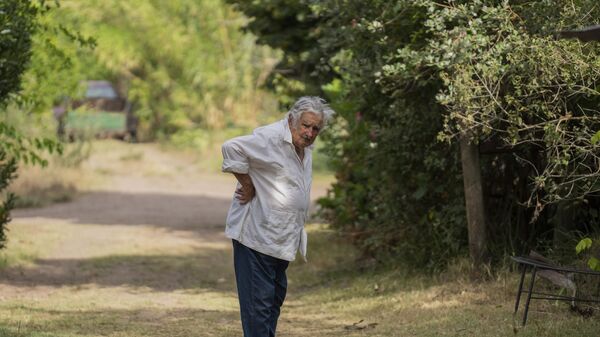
(60, 181)
(173, 287)
(36, 186)
(27, 242)
(345, 299)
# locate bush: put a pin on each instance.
(410, 74)
(8, 168)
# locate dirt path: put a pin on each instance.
(143, 245)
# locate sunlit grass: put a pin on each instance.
(27, 242)
(351, 298)
(36, 186)
(331, 295)
(59, 181)
(132, 285)
(130, 281)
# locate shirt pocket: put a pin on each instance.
(281, 226)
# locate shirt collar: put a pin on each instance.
(287, 133)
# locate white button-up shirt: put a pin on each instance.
(273, 221)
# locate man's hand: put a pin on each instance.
(245, 193)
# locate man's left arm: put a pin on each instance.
(247, 191)
(237, 153)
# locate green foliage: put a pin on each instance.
(526, 91)
(8, 168)
(183, 63)
(21, 23)
(293, 26)
(413, 73)
(23, 148)
(398, 191)
(34, 52)
(17, 24)
(586, 245)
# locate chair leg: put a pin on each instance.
(533, 272)
(520, 291)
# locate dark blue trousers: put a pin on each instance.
(262, 285)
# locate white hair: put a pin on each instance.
(313, 104)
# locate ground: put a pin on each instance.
(142, 244)
(140, 251)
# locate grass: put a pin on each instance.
(329, 296)
(28, 242)
(36, 186)
(60, 181)
(134, 285)
(366, 301)
(133, 281)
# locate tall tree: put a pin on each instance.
(475, 206)
(294, 27)
(483, 75)
(17, 24)
(185, 64)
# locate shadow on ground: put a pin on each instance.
(209, 270)
(156, 209)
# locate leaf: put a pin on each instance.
(420, 192)
(595, 138)
(594, 264)
(584, 244)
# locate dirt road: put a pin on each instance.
(141, 248)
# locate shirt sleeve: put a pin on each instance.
(238, 152)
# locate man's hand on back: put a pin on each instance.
(245, 193)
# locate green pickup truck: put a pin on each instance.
(101, 113)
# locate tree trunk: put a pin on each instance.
(474, 201)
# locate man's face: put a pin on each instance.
(305, 131)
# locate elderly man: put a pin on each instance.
(273, 167)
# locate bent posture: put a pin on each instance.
(273, 167)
